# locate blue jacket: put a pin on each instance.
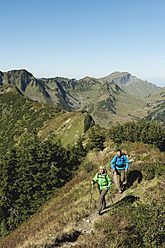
(119, 163)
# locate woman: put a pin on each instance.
(104, 183)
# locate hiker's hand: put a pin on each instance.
(113, 170)
(126, 171)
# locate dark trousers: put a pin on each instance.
(102, 202)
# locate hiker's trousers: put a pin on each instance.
(119, 178)
(102, 202)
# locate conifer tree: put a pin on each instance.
(96, 139)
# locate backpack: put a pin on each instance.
(121, 158)
(120, 166)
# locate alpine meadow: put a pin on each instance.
(55, 133)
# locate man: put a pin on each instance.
(119, 169)
(104, 183)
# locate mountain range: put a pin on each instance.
(119, 97)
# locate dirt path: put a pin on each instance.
(86, 225)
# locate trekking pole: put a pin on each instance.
(91, 195)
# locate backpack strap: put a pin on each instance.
(105, 176)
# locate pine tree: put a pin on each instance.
(96, 139)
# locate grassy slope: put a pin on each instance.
(58, 219)
(68, 127)
(128, 108)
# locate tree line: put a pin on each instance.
(149, 132)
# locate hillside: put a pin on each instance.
(68, 127)
(156, 106)
(134, 219)
(33, 162)
(108, 100)
(20, 115)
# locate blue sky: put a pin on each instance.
(74, 38)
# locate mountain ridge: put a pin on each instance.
(105, 99)
(131, 84)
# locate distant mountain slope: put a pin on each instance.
(131, 84)
(19, 115)
(105, 99)
(36, 89)
(156, 106)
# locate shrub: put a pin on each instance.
(88, 166)
(88, 122)
(148, 132)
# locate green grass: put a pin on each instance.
(67, 127)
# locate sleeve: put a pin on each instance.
(112, 162)
(109, 181)
(127, 162)
(95, 179)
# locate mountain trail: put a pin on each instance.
(86, 225)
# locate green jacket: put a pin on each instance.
(103, 180)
